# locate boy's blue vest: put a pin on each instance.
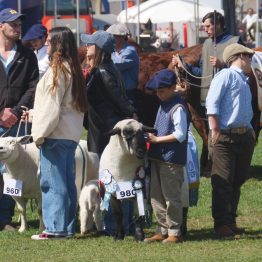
(174, 152)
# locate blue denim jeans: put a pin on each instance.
(128, 219)
(7, 204)
(57, 181)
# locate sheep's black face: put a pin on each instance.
(135, 141)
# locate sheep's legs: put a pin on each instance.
(98, 219)
(39, 210)
(21, 205)
(139, 233)
(118, 213)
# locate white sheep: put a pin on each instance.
(89, 203)
(22, 162)
(121, 160)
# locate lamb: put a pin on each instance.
(123, 160)
(89, 203)
(22, 164)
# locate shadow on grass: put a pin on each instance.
(255, 172)
(208, 234)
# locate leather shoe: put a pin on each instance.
(224, 231)
(156, 238)
(236, 229)
(7, 227)
(173, 239)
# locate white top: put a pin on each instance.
(43, 61)
(249, 20)
(53, 114)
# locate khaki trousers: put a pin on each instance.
(166, 184)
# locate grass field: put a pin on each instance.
(201, 244)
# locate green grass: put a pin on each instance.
(201, 244)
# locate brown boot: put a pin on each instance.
(173, 239)
(224, 231)
(236, 229)
(156, 238)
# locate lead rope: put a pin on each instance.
(197, 77)
(19, 126)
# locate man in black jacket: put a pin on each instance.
(19, 75)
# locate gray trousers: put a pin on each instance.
(166, 184)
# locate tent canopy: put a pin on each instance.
(163, 11)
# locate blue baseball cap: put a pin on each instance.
(161, 79)
(35, 32)
(10, 15)
(102, 39)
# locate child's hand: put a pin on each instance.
(151, 138)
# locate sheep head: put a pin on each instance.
(9, 145)
(132, 134)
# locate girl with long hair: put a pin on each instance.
(59, 107)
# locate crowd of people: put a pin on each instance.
(47, 78)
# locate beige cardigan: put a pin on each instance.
(53, 114)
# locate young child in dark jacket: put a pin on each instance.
(168, 151)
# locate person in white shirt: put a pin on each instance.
(36, 37)
(249, 20)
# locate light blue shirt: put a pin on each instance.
(127, 62)
(7, 62)
(229, 98)
(180, 123)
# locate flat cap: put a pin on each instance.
(36, 31)
(162, 79)
(118, 29)
(235, 49)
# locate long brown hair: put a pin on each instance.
(64, 49)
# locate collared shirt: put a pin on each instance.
(229, 97)
(7, 62)
(43, 61)
(127, 62)
(180, 123)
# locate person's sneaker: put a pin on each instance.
(44, 236)
(173, 239)
(224, 231)
(236, 229)
(156, 238)
(7, 227)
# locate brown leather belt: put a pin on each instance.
(238, 130)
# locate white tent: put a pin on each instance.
(163, 11)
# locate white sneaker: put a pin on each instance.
(44, 236)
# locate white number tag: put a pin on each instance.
(125, 190)
(13, 187)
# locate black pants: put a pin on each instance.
(231, 157)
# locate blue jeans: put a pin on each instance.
(128, 219)
(57, 181)
(7, 204)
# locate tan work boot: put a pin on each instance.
(173, 239)
(236, 229)
(224, 231)
(156, 238)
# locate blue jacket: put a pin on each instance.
(127, 62)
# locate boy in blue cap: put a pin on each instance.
(168, 151)
(36, 36)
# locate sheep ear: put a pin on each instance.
(115, 131)
(24, 139)
(148, 129)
